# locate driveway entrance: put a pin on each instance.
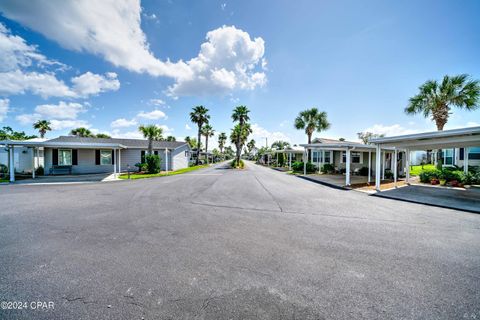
(466, 200)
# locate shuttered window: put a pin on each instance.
(75, 157)
(97, 157)
(55, 157)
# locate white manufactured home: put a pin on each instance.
(82, 155)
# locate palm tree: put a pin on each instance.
(199, 116)
(42, 126)
(240, 114)
(152, 133)
(251, 145)
(81, 132)
(171, 139)
(311, 120)
(102, 135)
(436, 99)
(280, 145)
(239, 136)
(222, 138)
(207, 132)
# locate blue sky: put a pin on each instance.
(111, 67)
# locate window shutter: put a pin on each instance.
(97, 157)
(155, 152)
(113, 156)
(142, 156)
(462, 154)
(75, 157)
(55, 157)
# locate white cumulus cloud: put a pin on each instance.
(68, 124)
(123, 123)
(63, 110)
(152, 115)
(226, 61)
(17, 77)
(92, 84)
(110, 29)
(259, 134)
(229, 59)
(392, 130)
(4, 108)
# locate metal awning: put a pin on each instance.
(456, 138)
(76, 145)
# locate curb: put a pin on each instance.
(424, 203)
(331, 185)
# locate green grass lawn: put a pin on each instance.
(3, 180)
(172, 173)
(415, 170)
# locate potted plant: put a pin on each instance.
(434, 181)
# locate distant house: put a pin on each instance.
(335, 152)
(79, 155)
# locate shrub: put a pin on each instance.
(141, 166)
(39, 171)
(298, 167)
(388, 174)
(450, 174)
(153, 163)
(3, 170)
(427, 175)
(239, 165)
(363, 171)
(328, 168)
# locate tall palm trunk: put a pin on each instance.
(150, 147)
(309, 139)
(42, 133)
(199, 142)
(206, 147)
(238, 144)
(440, 115)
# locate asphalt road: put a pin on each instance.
(225, 244)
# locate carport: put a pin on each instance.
(436, 140)
(348, 148)
(11, 144)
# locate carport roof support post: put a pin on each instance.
(369, 166)
(347, 170)
(305, 159)
(395, 167)
(465, 161)
(407, 165)
(378, 162)
(12, 164)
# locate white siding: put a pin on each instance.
(180, 158)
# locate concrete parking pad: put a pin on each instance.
(466, 200)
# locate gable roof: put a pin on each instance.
(128, 143)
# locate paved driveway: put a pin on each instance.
(467, 199)
(224, 244)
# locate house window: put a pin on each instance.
(474, 153)
(354, 156)
(316, 157)
(64, 157)
(447, 156)
(105, 157)
(327, 157)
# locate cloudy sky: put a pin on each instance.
(112, 65)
